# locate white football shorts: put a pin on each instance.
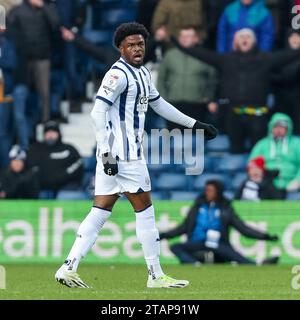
(132, 177)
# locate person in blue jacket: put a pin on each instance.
(241, 14)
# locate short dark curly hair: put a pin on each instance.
(128, 29)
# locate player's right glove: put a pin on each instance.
(110, 164)
(210, 132)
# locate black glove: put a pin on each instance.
(210, 132)
(110, 164)
(272, 237)
(162, 236)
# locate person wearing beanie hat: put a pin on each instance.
(52, 134)
(259, 183)
(258, 162)
(17, 153)
(281, 151)
(60, 165)
(17, 181)
(51, 126)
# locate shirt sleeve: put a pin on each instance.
(153, 93)
(169, 112)
(113, 84)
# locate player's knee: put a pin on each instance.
(105, 202)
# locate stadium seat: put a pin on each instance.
(172, 181)
(238, 179)
(208, 164)
(293, 196)
(99, 37)
(183, 195)
(110, 19)
(219, 144)
(157, 168)
(200, 181)
(89, 164)
(46, 195)
(232, 163)
(72, 195)
(156, 195)
(229, 195)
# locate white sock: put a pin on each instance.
(86, 236)
(148, 236)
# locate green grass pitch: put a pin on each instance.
(120, 282)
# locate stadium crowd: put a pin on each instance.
(233, 63)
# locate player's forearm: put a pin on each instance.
(98, 115)
(167, 111)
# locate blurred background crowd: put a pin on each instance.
(236, 64)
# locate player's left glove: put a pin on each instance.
(110, 164)
(270, 237)
(210, 132)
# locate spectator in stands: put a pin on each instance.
(7, 66)
(185, 81)
(286, 85)
(241, 14)
(171, 15)
(281, 151)
(156, 45)
(72, 15)
(244, 86)
(145, 12)
(214, 10)
(100, 53)
(259, 183)
(60, 165)
(207, 227)
(32, 25)
(18, 182)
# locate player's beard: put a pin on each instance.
(137, 62)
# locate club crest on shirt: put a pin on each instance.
(142, 105)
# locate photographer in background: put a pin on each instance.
(207, 227)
